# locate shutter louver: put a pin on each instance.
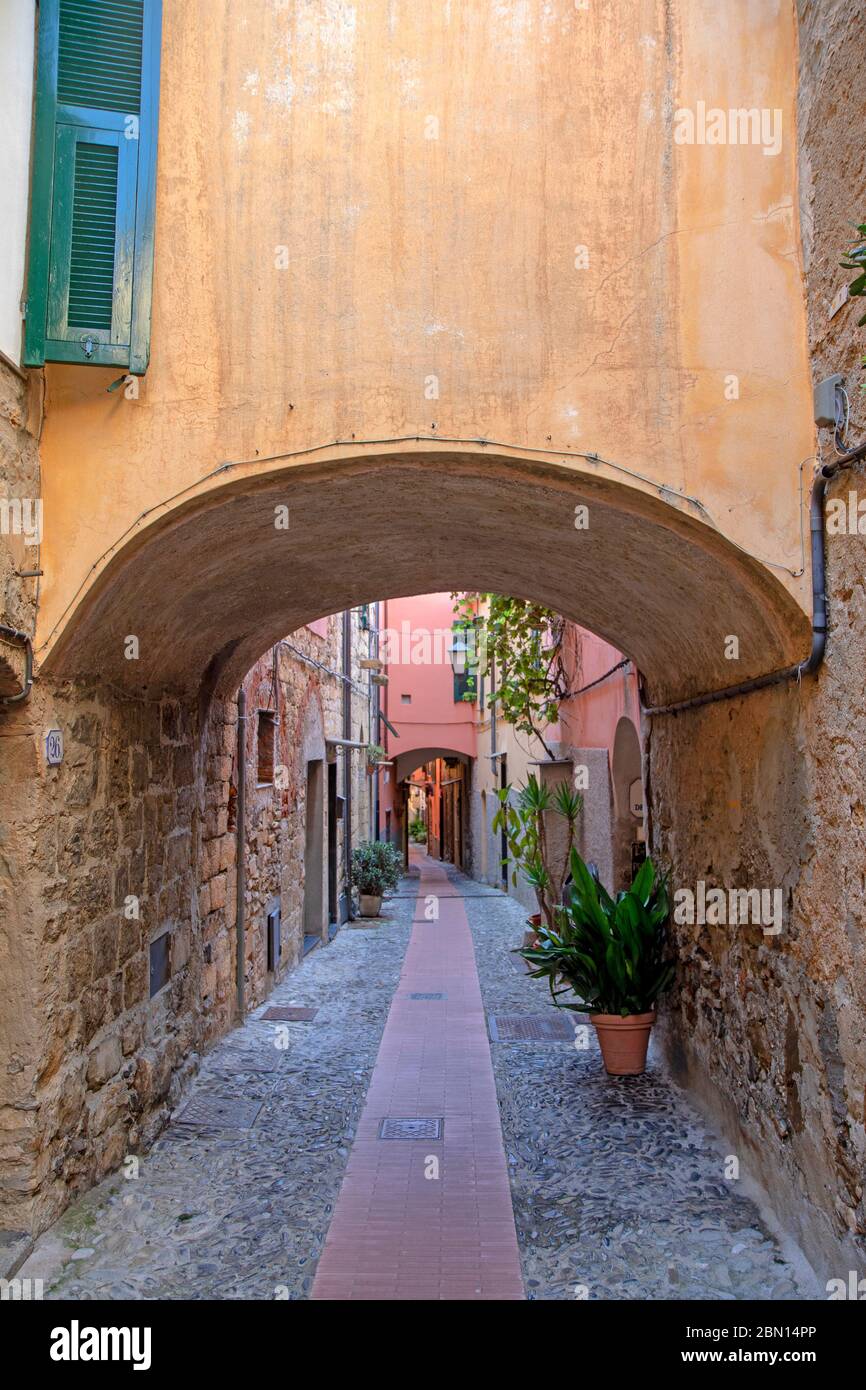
(94, 208)
(91, 249)
(99, 54)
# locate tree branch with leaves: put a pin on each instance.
(522, 643)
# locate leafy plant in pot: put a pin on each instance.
(609, 954)
(375, 754)
(526, 834)
(376, 868)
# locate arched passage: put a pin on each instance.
(207, 586)
(445, 791)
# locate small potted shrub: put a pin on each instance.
(417, 831)
(375, 754)
(608, 954)
(376, 868)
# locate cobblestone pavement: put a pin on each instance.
(243, 1212)
(617, 1186)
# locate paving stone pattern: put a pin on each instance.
(617, 1187)
(233, 1210)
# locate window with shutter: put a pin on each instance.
(94, 176)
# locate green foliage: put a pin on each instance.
(522, 643)
(608, 954)
(417, 830)
(376, 867)
(526, 834)
(376, 753)
(856, 260)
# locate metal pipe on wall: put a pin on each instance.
(815, 658)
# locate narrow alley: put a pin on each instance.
(432, 637)
(272, 1181)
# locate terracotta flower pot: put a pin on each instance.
(624, 1041)
(371, 904)
(530, 936)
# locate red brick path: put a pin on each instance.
(395, 1233)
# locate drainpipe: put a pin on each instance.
(11, 634)
(808, 667)
(347, 761)
(240, 926)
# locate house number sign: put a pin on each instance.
(54, 747)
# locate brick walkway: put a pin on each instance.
(399, 1231)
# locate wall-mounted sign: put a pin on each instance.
(54, 747)
(635, 798)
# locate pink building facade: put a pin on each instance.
(432, 724)
(462, 753)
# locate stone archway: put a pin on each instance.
(229, 582)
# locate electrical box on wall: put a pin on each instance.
(825, 399)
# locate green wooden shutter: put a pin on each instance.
(94, 183)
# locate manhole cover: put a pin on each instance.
(531, 1027)
(426, 996)
(289, 1013)
(219, 1112)
(427, 1127)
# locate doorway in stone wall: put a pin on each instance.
(314, 925)
(333, 898)
(628, 796)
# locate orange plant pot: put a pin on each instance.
(530, 936)
(623, 1041)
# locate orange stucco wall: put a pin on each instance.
(437, 220)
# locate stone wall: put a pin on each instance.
(19, 1034)
(770, 1031)
(105, 864)
(20, 422)
(131, 838)
(308, 703)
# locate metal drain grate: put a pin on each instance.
(532, 1027)
(425, 1127)
(219, 1112)
(289, 1013)
(427, 996)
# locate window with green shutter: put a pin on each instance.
(94, 183)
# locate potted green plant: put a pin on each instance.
(417, 831)
(375, 754)
(524, 823)
(376, 867)
(609, 954)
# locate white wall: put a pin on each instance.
(17, 28)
